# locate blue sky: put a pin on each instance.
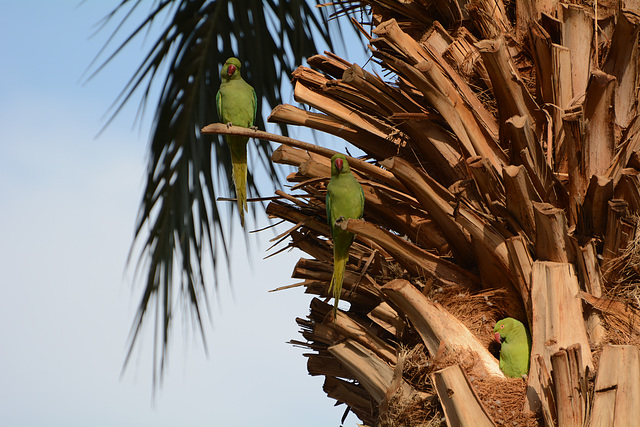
(68, 202)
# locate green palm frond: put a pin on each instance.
(179, 222)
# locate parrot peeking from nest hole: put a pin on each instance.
(237, 105)
(515, 347)
(345, 199)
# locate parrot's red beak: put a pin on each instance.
(231, 69)
(339, 164)
(497, 337)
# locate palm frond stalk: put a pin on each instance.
(501, 179)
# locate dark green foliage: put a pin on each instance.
(179, 218)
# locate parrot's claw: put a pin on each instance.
(254, 128)
(229, 124)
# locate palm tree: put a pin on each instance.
(180, 221)
(501, 178)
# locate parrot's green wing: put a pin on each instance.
(345, 199)
(516, 347)
(255, 106)
(219, 105)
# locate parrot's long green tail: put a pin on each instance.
(239, 160)
(339, 266)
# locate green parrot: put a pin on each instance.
(515, 347)
(345, 199)
(237, 105)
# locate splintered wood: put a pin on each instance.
(617, 390)
(501, 155)
(460, 403)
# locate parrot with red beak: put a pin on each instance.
(345, 199)
(237, 105)
(515, 347)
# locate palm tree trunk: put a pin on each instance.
(501, 180)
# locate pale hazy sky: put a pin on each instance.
(68, 202)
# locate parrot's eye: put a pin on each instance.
(501, 326)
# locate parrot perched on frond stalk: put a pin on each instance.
(345, 199)
(515, 347)
(237, 105)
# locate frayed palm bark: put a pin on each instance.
(463, 407)
(628, 189)
(629, 146)
(416, 260)
(599, 192)
(437, 327)
(555, 301)
(358, 398)
(437, 200)
(591, 280)
(493, 159)
(372, 372)
(622, 63)
(552, 234)
(565, 393)
(616, 399)
(520, 264)
(616, 235)
(520, 195)
(491, 17)
(577, 36)
(542, 396)
(624, 318)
